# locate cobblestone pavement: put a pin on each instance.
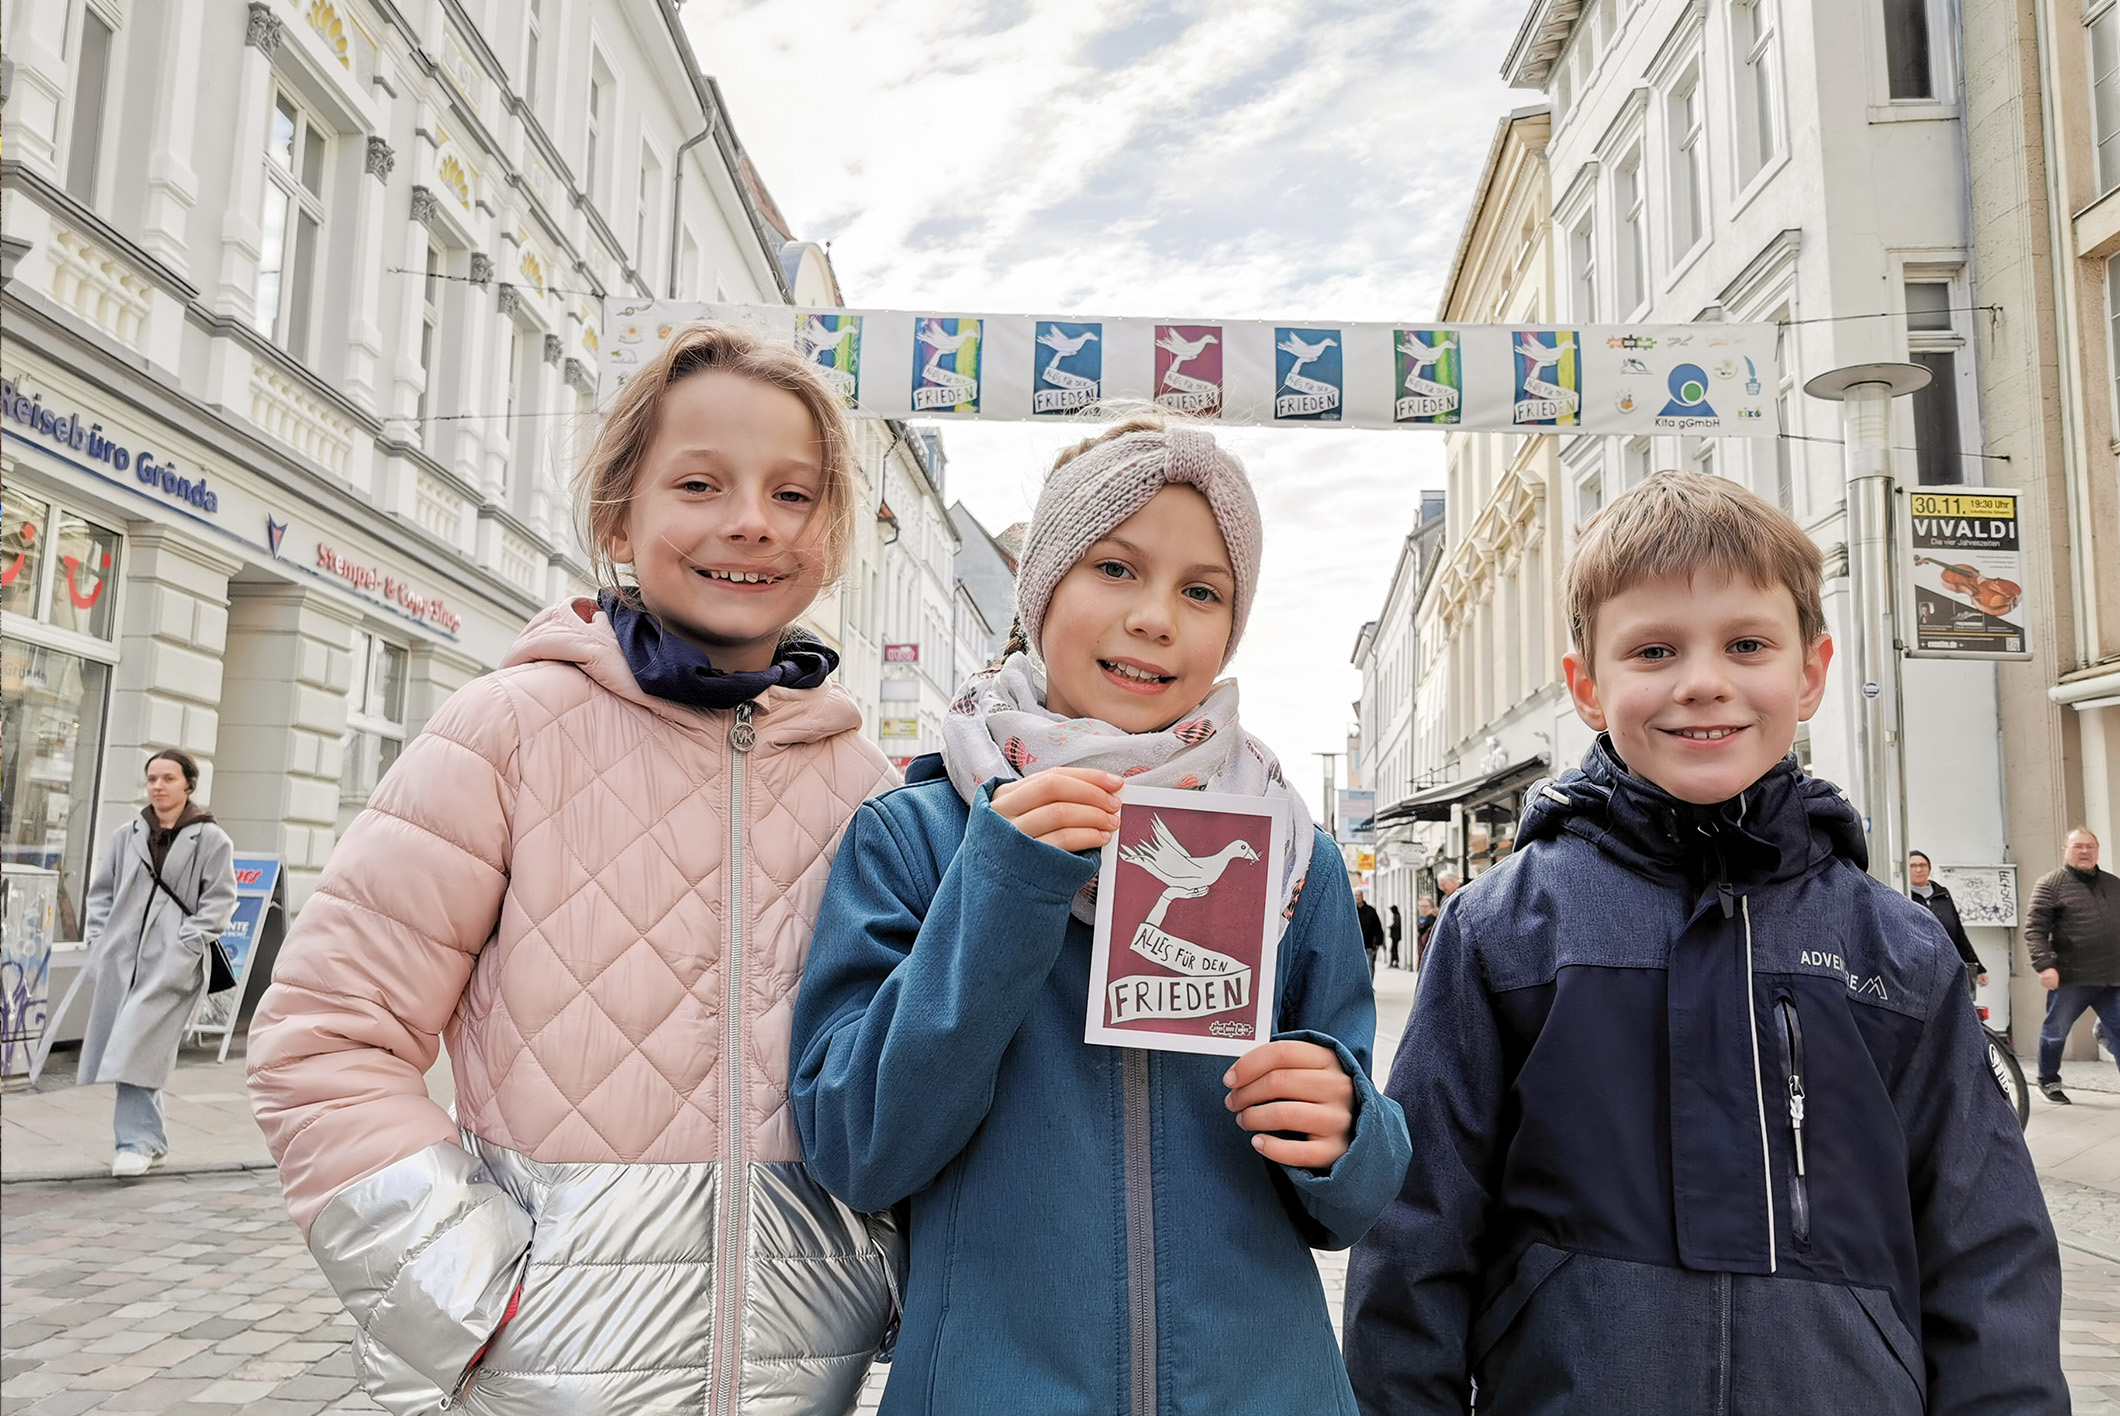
(192, 1294)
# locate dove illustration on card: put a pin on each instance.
(1187, 929)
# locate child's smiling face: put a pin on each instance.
(1137, 629)
(722, 531)
(1701, 682)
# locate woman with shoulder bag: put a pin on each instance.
(161, 895)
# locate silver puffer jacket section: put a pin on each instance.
(617, 1267)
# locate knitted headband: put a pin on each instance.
(1086, 498)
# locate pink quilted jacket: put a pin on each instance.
(543, 879)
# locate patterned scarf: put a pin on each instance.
(1000, 727)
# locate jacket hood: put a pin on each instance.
(1777, 828)
(578, 632)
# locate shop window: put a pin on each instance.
(375, 721)
(52, 707)
(57, 567)
(91, 86)
(297, 156)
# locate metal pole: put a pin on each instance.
(1865, 393)
(1332, 762)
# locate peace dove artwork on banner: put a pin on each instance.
(1709, 379)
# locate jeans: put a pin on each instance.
(138, 1120)
(2063, 1006)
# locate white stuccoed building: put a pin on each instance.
(302, 305)
(1770, 160)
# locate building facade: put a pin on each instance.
(2044, 113)
(1803, 165)
(302, 302)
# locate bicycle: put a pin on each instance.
(2008, 1074)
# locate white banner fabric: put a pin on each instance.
(1714, 380)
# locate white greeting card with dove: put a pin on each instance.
(1187, 929)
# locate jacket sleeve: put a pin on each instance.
(2039, 923)
(102, 889)
(1990, 1270)
(423, 1249)
(1329, 1000)
(216, 905)
(1412, 1283)
(912, 992)
(1963, 944)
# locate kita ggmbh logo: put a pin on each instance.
(1070, 367)
(1689, 406)
(1549, 379)
(1309, 374)
(946, 358)
(1430, 374)
(1189, 369)
(833, 344)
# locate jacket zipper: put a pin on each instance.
(1140, 1232)
(735, 1176)
(1759, 1084)
(1792, 1056)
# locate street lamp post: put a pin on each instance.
(1865, 393)
(1332, 765)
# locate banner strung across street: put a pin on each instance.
(1715, 380)
(1965, 570)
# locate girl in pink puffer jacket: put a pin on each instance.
(595, 874)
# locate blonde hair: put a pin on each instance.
(1681, 523)
(604, 486)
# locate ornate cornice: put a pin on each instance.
(579, 378)
(263, 32)
(553, 350)
(510, 301)
(422, 204)
(380, 160)
(481, 268)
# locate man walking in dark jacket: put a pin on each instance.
(2073, 932)
(1372, 929)
(1940, 904)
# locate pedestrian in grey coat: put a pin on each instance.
(147, 950)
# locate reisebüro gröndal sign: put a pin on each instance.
(70, 432)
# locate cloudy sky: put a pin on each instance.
(1242, 159)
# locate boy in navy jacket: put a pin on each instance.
(1700, 1111)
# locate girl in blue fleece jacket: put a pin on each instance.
(1093, 1228)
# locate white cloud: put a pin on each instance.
(1246, 159)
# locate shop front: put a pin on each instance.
(170, 578)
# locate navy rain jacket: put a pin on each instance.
(1702, 1123)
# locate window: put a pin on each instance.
(1704, 457)
(1906, 49)
(296, 156)
(2105, 96)
(58, 572)
(430, 338)
(1635, 464)
(644, 207)
(1589, 496)
(1753, 39)
(1632, 204)
(1689, 216)
(1934, 343)
(533, 42)
(598, 102)
(91, 84)
(2112, 324)
(523, 421)
(1784, 474)
(375, 721)
(1582, 247)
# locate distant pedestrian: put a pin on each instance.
(1372, 929)
(161, 895)
(2073, 932)
(1424, 917)
(1394, 929)
(1447, 884)
(1927, 892)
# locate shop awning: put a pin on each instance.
(1434, 803)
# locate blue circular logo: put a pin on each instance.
(1689, 385)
